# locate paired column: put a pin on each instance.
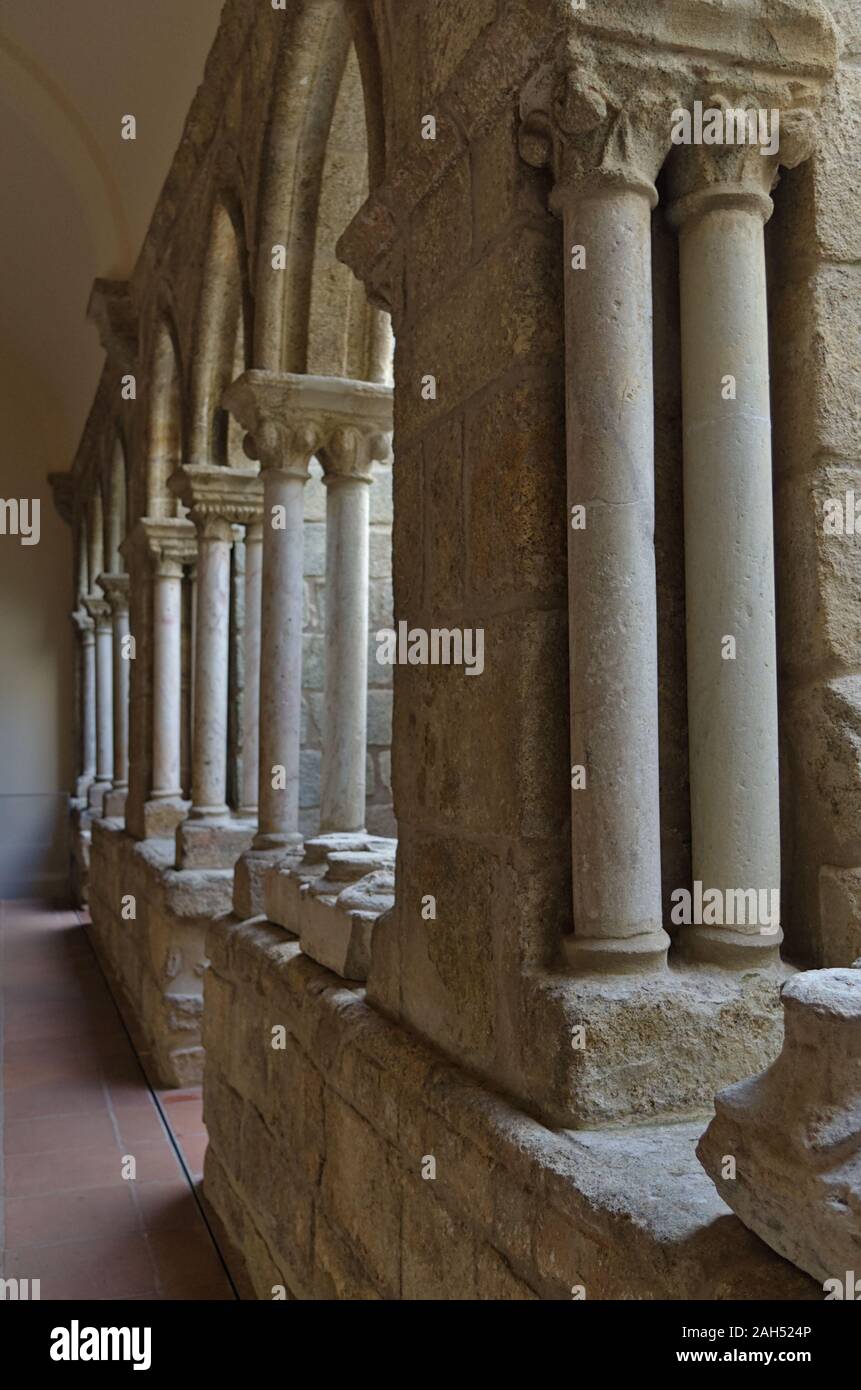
(116, 587)
(722, 203)
(251, 656)
(218, 499)
(166, 675)
(85, 628)
(99, 610)
(605, 195)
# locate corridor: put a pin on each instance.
(75, 1107)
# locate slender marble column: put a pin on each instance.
(167, 678)
(285, 473)
(605, 163)
(212, 656)
(251, 649)
(116, 586)
(729, 555)
(87, 638)
(347, 477)
(100, 612)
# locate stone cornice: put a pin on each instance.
(163, 541)
(213, 493)
(116, 587)
(110, 308)
(289, 418)
(783, 52)
(64, 488)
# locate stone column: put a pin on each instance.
(721, 205)
(218, 498)
(209, 728)
(116, 586)
(605, 194)
(85, 628)
(347, 469)
(166, 677)
(251, 648)
(100, 612)
(289, 418)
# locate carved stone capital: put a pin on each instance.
(290, 418)
(166, 544)
(111, 309)
(84, 624)
(233, 496)
(590, 138)
(116, 587)
(64, 487)
(741, 167)
(99, 610)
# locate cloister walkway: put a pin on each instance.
(75, 1106)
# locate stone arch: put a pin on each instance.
(325, 149)
(96, 535)
(165, 424)
(116, 508)
(223, 334)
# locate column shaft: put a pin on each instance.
(342, 795)
(121, 699)
(211, 690)
(281, 658)
(251, 648)
(104, 701)
(729, 560)
(88, 702)
(615, 816)
(167, 681)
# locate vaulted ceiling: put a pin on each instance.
(76, 197)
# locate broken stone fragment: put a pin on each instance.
(792, 1135)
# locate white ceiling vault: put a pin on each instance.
(76, 198)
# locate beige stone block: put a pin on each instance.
(440, 245)
(449, 29)
(338, 1274)
(823, 737)
(840, 908)
(437, 1249)
(496, 1282)
(515, 488)
(361, 1186)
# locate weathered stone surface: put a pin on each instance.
(794, 1133)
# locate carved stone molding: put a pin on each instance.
(215, 495)
(290, 418)
(110, 308)
(116, 587)
(165, 543)
(83, 624)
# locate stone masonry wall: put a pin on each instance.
(354, 1163)
(815, 272)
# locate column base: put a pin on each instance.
(249, 879)
(617, 955)
(333, 897)
(161, 816)
(96, 798)
(736, 950)
(624, 1049)
(115, 803)
(202, 844)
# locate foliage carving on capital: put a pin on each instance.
(350, 452)
(286, 445)
(587, 135)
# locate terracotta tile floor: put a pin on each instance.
(74, 1103)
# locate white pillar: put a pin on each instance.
(116, 586)
(87, 640)
(101, 614)
(342, 791)
(167, 678)
(281, 646)
(729, 556)
(212, 659)
(251, 649)
(612, 612)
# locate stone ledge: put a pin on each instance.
(628, 1213)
